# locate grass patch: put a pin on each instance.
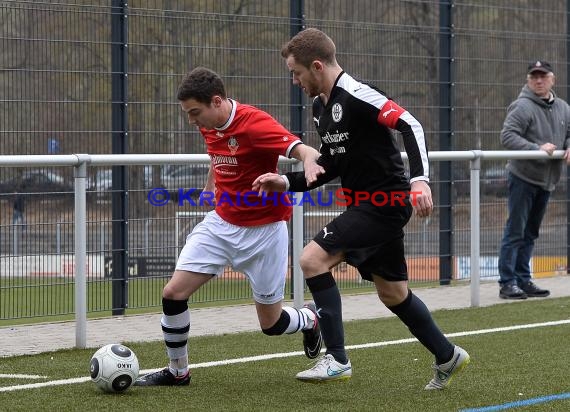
(506, 366)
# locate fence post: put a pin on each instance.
(474, 264)
(102, 239)
(58, 238)
(119, 92)
(297, 23)
(81, 251)
(146, 237)
(445, 140)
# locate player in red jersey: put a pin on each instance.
(250, 235)
(250, 140)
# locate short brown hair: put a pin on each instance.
(201, 84)
(310, 45)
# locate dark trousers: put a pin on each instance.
(527, 206)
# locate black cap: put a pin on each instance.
(539, 66)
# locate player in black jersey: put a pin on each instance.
(354, 120)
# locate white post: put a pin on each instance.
(475, 229)
(297, 248)
(81, 252)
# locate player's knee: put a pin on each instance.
(175, 292)
(391, 296)
(279, 327)
(309, 264)
(388, 298)
(169, 292)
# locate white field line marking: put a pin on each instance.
(42, 384)
(18, 376)
(290, 354)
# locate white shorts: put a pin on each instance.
(259, 252)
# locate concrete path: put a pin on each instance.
(30, 339)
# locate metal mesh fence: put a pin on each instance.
(57, 67)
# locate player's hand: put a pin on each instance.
(268, 182)
(312, 171)
(420, 196)
(310, 157)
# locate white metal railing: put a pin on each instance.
(82, 161)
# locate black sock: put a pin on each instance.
(329, 310)
(416, 316)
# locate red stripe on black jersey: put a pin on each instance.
(390, 114)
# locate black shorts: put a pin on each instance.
(371, 238)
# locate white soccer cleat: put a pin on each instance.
(446, 371)
(326, 369)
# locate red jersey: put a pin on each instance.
(248, 145)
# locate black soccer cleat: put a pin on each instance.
(163, 378)
(312, 338)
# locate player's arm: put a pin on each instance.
(309, 156)
(210, 185)
(269, 135)
(397, 118)
(294, 181)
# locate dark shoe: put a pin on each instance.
(533, 291)
(312, 339)
(163, 378)
(512, 291)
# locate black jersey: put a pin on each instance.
(357, 143)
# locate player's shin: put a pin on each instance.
(175, 324)
(329, 308)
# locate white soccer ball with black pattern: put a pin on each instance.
(114, 368)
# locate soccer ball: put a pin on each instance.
(114, 368)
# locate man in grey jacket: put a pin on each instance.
(536, 120)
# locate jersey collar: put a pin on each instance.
(333, 90)
(232, 116)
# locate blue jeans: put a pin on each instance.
(527, 205)
(18, 217)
